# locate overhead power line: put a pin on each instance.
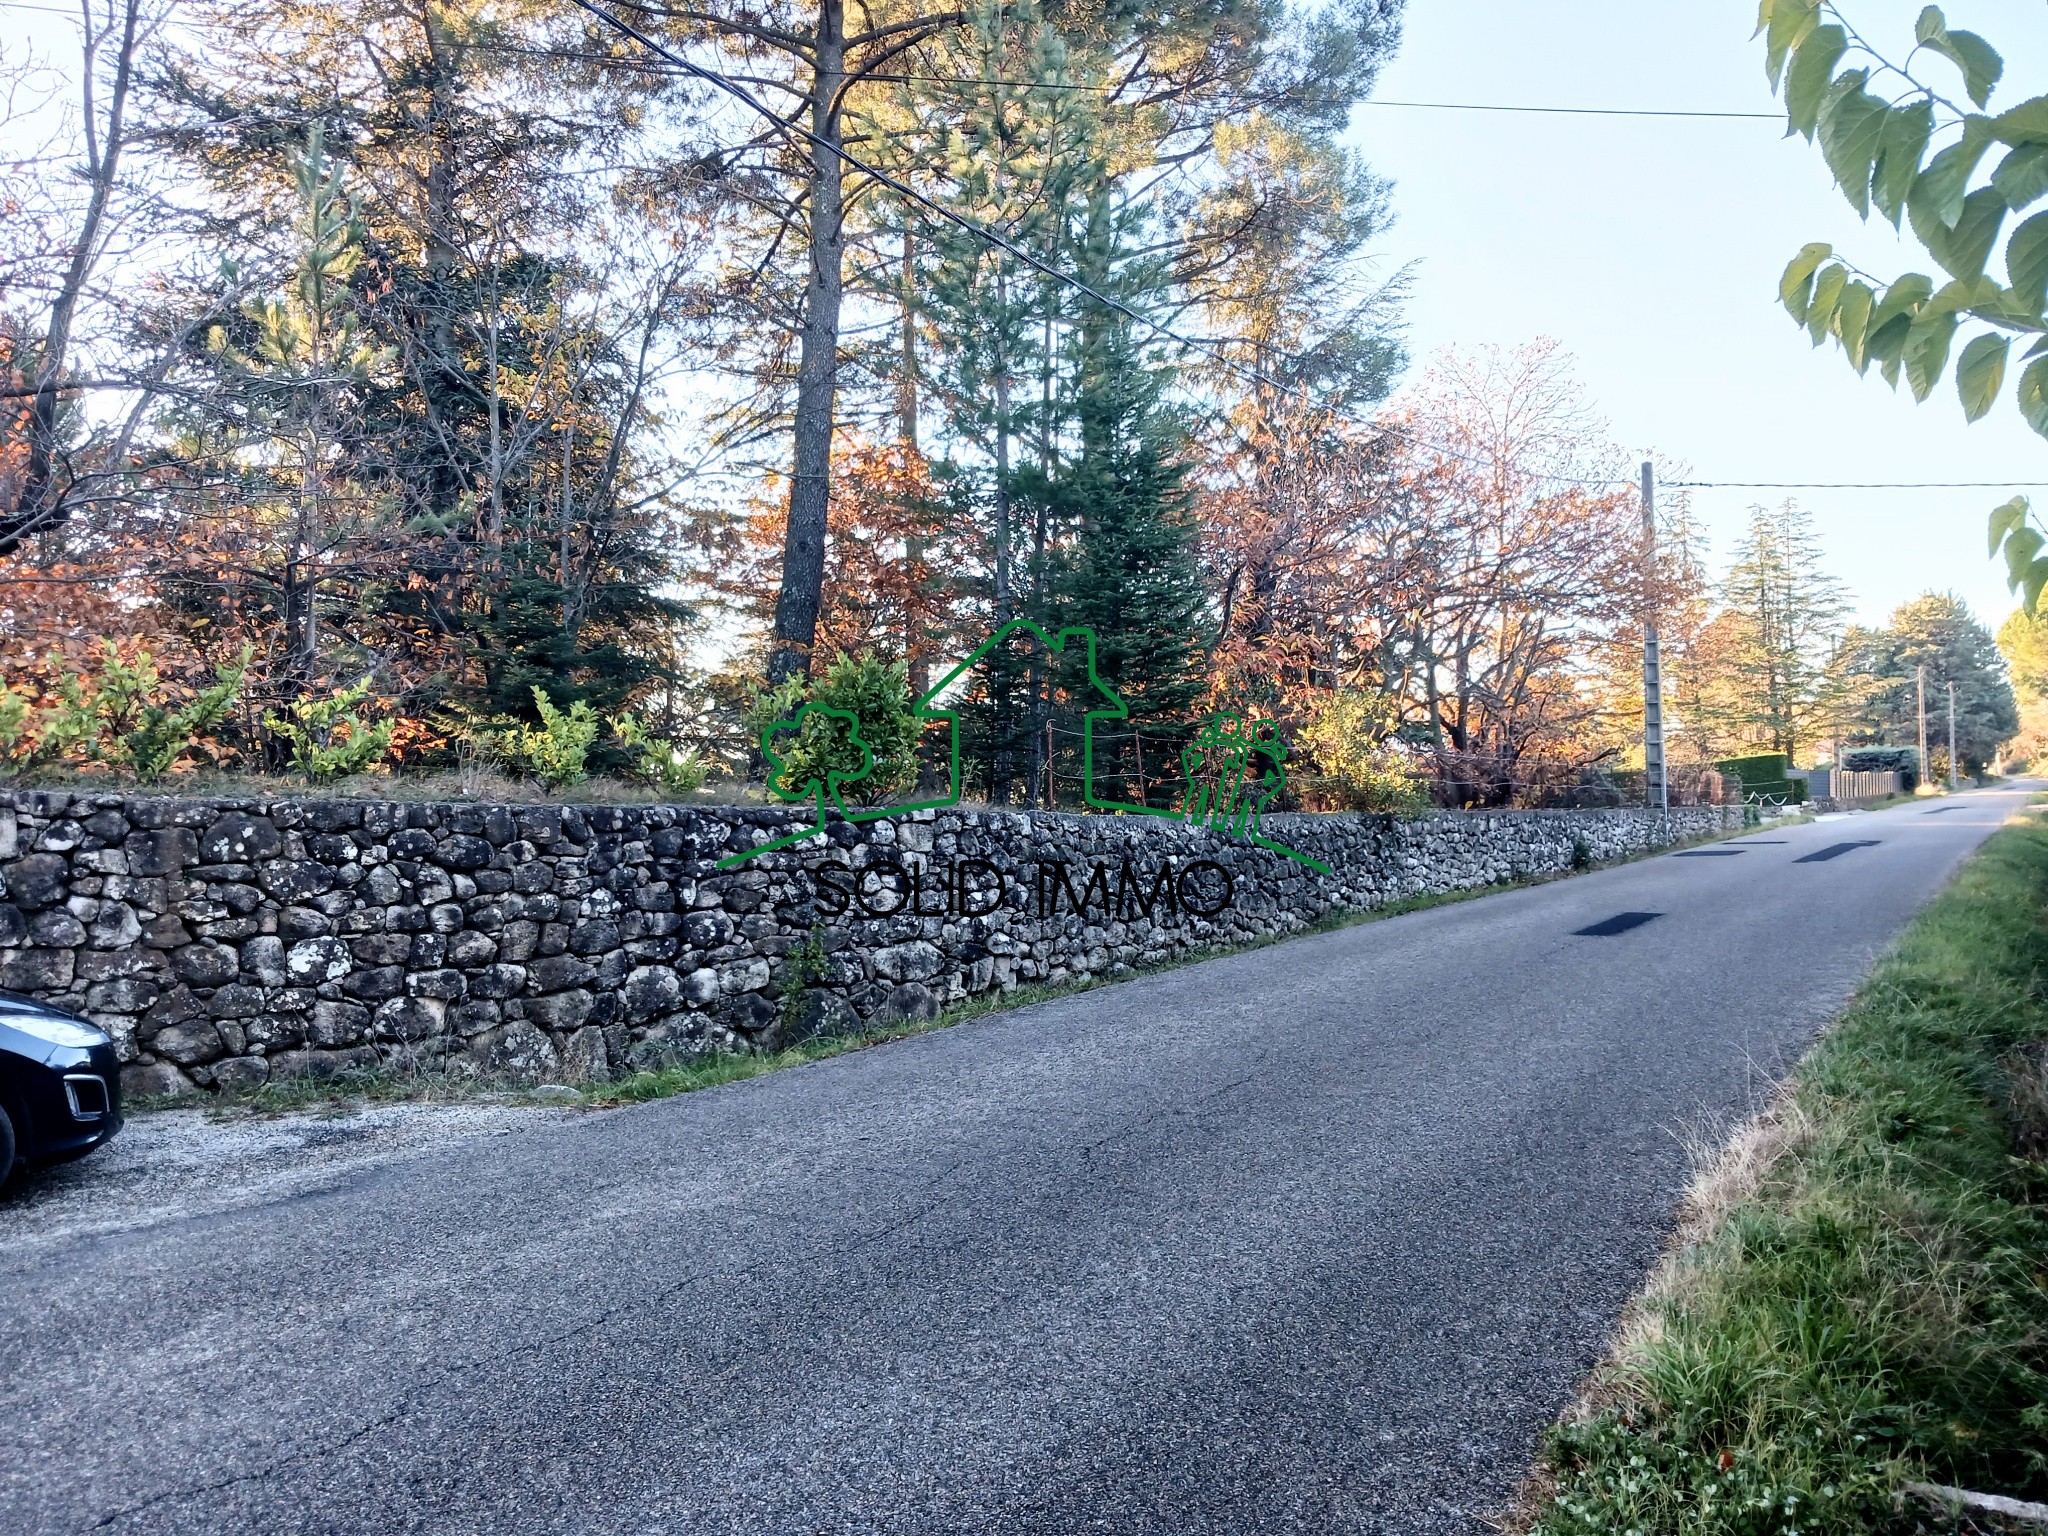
(1075, 85)
(1071, 85)
(1475, 106)
(980, 231)
(1857, 485)
(1425, 106)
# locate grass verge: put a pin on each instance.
(340, 1093)
(1859, 1299)
(345, 1090)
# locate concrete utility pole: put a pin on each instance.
(1656, 779)
(1920, 688)
(1951, 733)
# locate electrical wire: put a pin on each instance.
(973, 227)
(1853, 485)
(1425, 106)
(1065, 85)
(1473, 106)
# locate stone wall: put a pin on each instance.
(225, 942)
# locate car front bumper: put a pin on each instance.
(71, 1099)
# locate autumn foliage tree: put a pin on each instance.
(884, 589)
(1471, 560)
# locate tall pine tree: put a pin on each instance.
(1132, 575)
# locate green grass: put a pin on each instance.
(340, 1093)
(1874, 1308)
(734, 1066)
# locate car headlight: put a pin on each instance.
(52, 1030)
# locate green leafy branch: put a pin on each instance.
(329, 737)
(2025, 571)
(557, 751)
(1913, 158)
(658, 762)
(1878, 153)
(117, 716)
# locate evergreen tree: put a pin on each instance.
(1017, 158)
(1763, 664)
(1133, 576)
(1937, 631)
(503, 444)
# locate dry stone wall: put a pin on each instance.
(226, 942)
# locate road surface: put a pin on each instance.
(1314, 1238)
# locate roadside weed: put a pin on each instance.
(1876, 1310)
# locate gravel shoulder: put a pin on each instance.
(176, 1164)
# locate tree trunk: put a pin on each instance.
(1005, 765)
(1041, 680)
(445, 383)
(34, 510)
(817, 381)
(915, 661)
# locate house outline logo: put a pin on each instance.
(1192, 809)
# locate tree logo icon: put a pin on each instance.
(1235, 768)
(821, 752)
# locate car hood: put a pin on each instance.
(13, 1006)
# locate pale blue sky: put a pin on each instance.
(1651, 250)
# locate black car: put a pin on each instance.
(60, 1085)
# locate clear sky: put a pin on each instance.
(1651, 250)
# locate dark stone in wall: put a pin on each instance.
(161, 853)
(38, 881)
(239, 838)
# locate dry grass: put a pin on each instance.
(481, 786)
(1854, 1298)
(2027, 1078)
(1728, 1173)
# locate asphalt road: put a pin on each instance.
(1310, 1239)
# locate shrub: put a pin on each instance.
(1755, 769)
(1763, 775)
(556, 752)
(15, 713)
(1348, 737)
(329, 737)
(1881, 759)
(669, 768)
(119, 716)
(808, 964)
(876, 695)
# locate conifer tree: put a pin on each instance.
(1018, 158)
(1132, 576)
(1881, 671)
(299, 364)
(505, 438)
(1765, 658)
